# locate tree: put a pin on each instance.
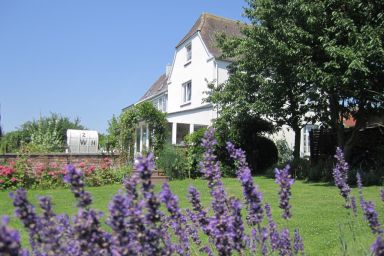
(266, 77)
(48, 134)
(298, 57)
(113, 134)
(347, 61)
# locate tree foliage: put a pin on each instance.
(266, 76)
(298, 57)
(48, 134)
(121, 131)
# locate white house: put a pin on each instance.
(181, 89)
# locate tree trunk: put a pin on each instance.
(296, 148)
(361, 120)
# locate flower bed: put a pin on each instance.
(22, 173)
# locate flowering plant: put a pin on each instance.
(21, 173)
(139, 226)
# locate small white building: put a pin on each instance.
(181, 89)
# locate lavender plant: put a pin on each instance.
(139, 227)
(10, 240)
(340, 173)
(283, 178)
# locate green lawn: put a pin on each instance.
(317, 211)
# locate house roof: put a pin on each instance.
(158, 87)
(210, 26)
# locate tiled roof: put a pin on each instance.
(210, 26)
(159, 86)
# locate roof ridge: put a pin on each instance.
(219, 17)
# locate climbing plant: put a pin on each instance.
(129, 121)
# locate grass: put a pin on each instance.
(317, 211)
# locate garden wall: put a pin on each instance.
(62, 159)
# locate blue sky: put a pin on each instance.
(89, 58)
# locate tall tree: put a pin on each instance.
(266, 77)
(299, 57)
(347, 61)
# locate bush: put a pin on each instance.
(20, 173)
(285, 153)
(194, 152)
(173, 161)
(264, 154)
(299, 168)
(322, 171)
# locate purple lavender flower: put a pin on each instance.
(298, 246)
(75, 179)
(220, 226)
(199, 213)
(51, 233)
(340, 175)
(372, 218)
(193, 227)
(264, 237)
(283, 178)
(89, 235)
(238, 227)
(121, 237)
(253, 197)
(285, 243)
(274, 236)
(353, 206)
(179, 222)
(25, 211)
(151, 243)
(360, 187)
(10, 240)
(145, 167)
(377, 247)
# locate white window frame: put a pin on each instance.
(165, 99)
(188, 52)
(185, 96)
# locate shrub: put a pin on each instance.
(173, 161)
(322, 171)
(299, 168)
(194, 152)
(285, 153)
(21, 173)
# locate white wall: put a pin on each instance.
(288, 135)
(200, 70)
(203, 116)
(222, 72)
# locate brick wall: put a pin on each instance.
(62, 159)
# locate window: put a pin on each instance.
(197, 127)
(306, 140)
(187, 92)
(161, 103)
(181, 131)
(165, 99)
(188, 49)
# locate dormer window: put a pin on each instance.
(188, 50)
(186, 92)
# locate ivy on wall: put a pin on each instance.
(129, 121)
